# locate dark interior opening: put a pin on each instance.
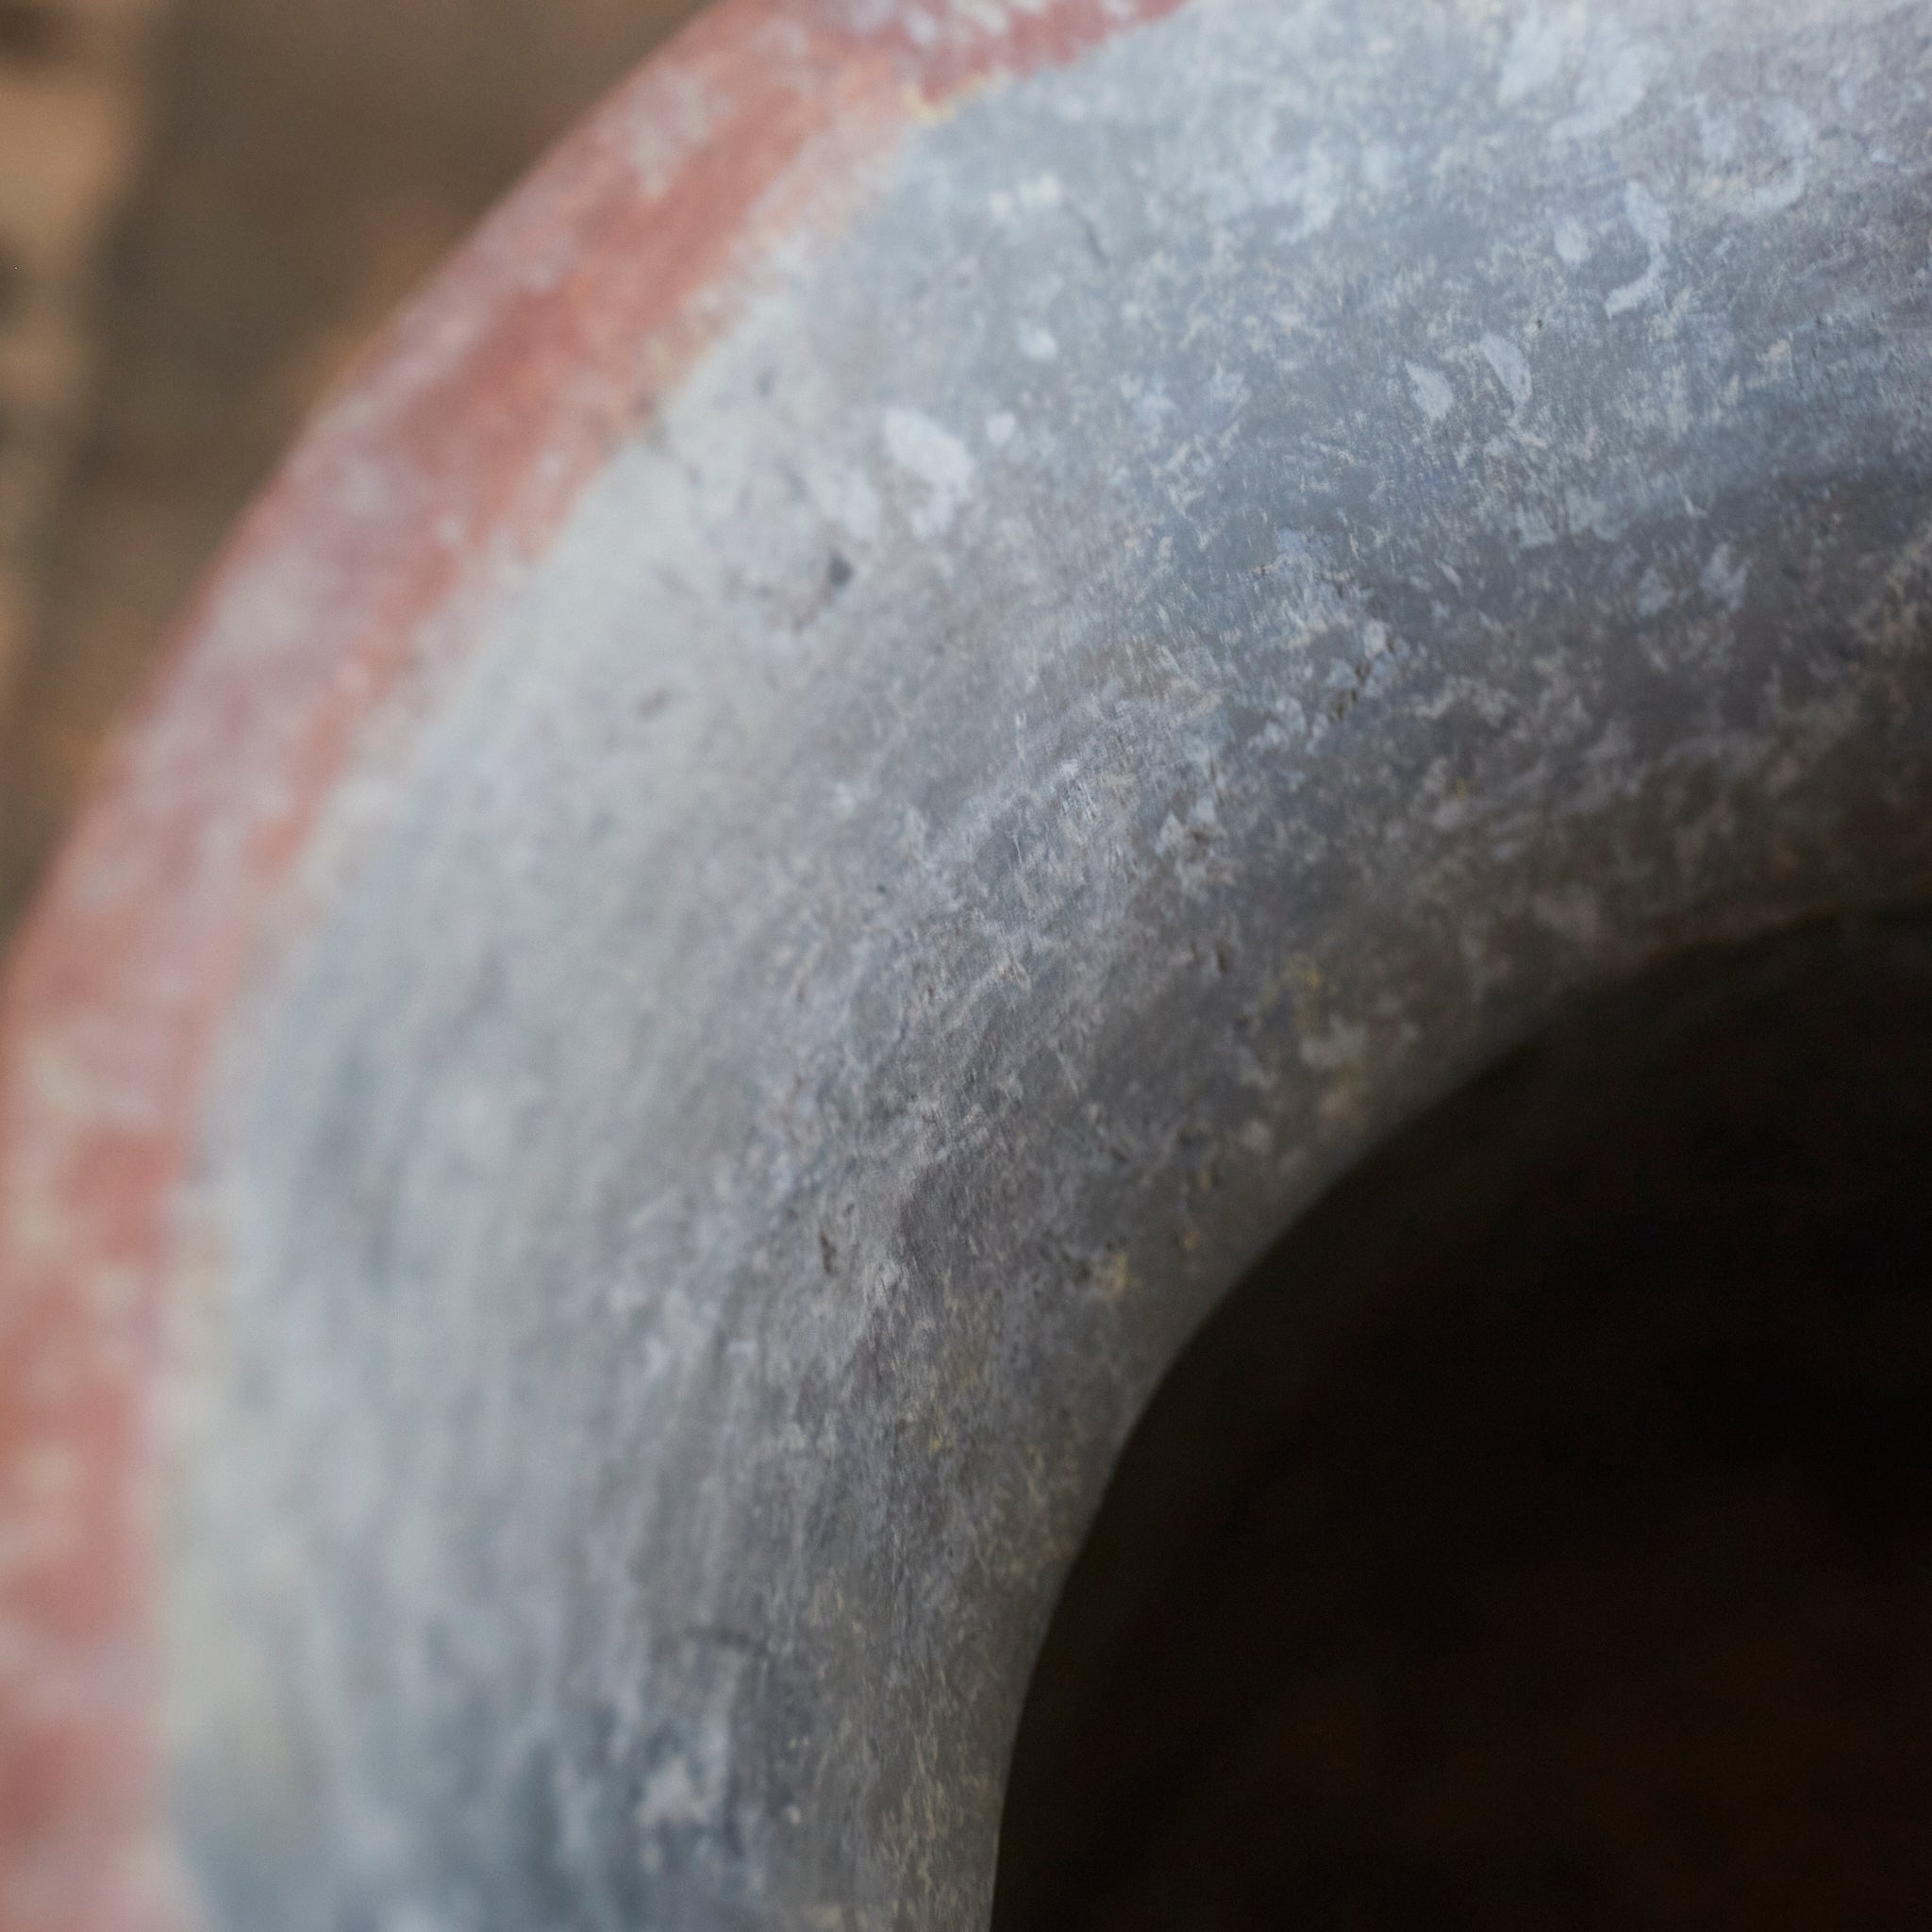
(1541, 1536)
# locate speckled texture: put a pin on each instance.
(1251, 566)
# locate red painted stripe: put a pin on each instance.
(459, 444)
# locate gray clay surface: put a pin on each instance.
(1255, 566)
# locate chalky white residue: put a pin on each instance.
(1572, 242)
(1511, 368)
(1430, 388)
(1042, 192)
(1342, 1048)
(1737, 155)
(1610, 87)
(1612, 70)
(1244, 171)
(845, 497)
(935, 457)
(688, 1790)
(1723, 579)
(1536, 54)
(1652, 221)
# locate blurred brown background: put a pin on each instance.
(206, 208)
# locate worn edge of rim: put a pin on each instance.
(456, 447)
